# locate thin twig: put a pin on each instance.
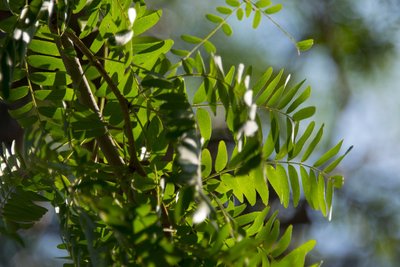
(134, 161)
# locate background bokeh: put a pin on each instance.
(354, 71)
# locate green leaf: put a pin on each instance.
(305, 45)
(298, 146)
(329, 154)
(256, 19)
(214, 18)
(66, 94)
(226, 28)
(303, 97)
(269, 90)
(263, 3)
(279, 181)
(19, 206)
(59, 78)
(191, 39)
(249, 8)
(239, 13)
(260, 183)
(262, 82)
(336, 162)
(180, 52)
(276, 95)
(246, 185)
(142, 24)
(46, 62)
(18, 93)
(224, 10)
(258, 222)
(200, 95)
(313, 144)
(321, 194)
(269, 145)
(204, 122)
(21, 111)
(222, 157)
(304, 113)
(148, 50)
(296, 258)
(294, 184)
(231, 183)
(274, 9)
(337, 180)
(209, 47)
(206, 162)
(283, 243)
(199, 63)
(233, 3)
(314, 196)
(44, 47)
(287, 97)
(91, 23)
(305, 180)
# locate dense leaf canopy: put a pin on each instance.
(117, 147)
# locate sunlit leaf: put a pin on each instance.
(222, 157)
(239, 14)
(191, 39)
(262, 82)
(214, 18)
(263, 3)
(337, 180)
(274, 9)
(224, 10)
(329, 154)
(299, 100)
(336, 162)
(279, 181)
(204, 122)
(233, 3)
(267, 93)
(305, 45)
(226, 28)
(294, 184)
(304, 113)
(313, 144)
(257, 19)
(146, 22)
(206, 162)
(296, 258)
(258, 223)
(283, 243)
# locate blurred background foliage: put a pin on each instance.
(353, 69)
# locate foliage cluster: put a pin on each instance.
(119, 150)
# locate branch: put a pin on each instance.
(85, 95)
(134, 161)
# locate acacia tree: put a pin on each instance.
(113, 142)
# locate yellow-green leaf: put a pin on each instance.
(329, 154)
(279, 181)
(274, 9)
(305, 44)
(226, 28)
(256, 19)
(204, 122)
(222, 157)
(206, 163)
